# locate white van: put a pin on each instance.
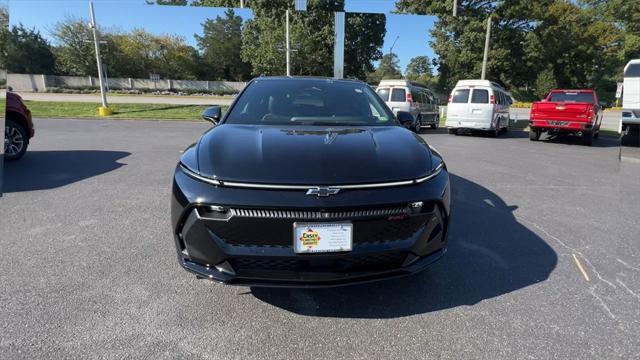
(631, 86)
(420, 101)
(478, 105)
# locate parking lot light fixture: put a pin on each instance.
(104, 110)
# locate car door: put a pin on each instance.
(458, 107)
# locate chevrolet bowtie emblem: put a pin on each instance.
(322, 191)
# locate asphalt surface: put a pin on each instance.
(88, 267)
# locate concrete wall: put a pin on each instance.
(39, 83)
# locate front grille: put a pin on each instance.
(310, 215)
(371, 262)
(273, 228)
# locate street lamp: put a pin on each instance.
(394, 44)
(104, 109)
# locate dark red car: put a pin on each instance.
(18, 127)
(575, 112)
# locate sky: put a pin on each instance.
(186, 21)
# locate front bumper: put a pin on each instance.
(250, 241)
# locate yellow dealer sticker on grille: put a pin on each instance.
(322, 237)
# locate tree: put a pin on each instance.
(364, 38)
(27, 52)
(74, 51)
(140, 53)
(388, 68)
(528, 37)
(545, 82)
(419, 70)
(4, 35)
(311, 37)
(221, 46)
(132, 54)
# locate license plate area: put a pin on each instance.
(322, 237)
(558, 123)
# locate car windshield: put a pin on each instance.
(572, 97)
(309, 102)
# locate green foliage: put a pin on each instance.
(419, 70)
(27, 52)
(387, 69)
(220, 45)
(133, 54)
(4, 35)
(75, 54)
(364, 37)
(312, 39)
(579, 43)
(545, 82)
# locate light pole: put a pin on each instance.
(394, 44)
(288, 44)
(104, 109)
(486, 49)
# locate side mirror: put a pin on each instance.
(405, 118)
(212, 114)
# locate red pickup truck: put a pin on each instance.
(575, 112)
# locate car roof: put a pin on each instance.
(487, 83)
(401, 82)
(573, 90)
(307, 78)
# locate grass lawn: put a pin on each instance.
(53, 109)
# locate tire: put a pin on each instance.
(16, 140)
(418, 126)
(436, 123)
(496, 131)
(587, 138)
(534, 135)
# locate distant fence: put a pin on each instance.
(40, 83)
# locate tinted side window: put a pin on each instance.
(633, 71)
(398, 95)
(383, 93)
(461, 96)
(417, 96)
(480, 96)
(425, 97)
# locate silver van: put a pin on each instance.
(403, 95)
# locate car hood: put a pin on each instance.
(312, 155)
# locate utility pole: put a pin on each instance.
(455, 8)
(486, 49)
(242, 3)
(104, 110)
(288, 45)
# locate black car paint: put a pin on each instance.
(304, 155)
(312, 155)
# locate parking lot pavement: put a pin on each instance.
(543, 260)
